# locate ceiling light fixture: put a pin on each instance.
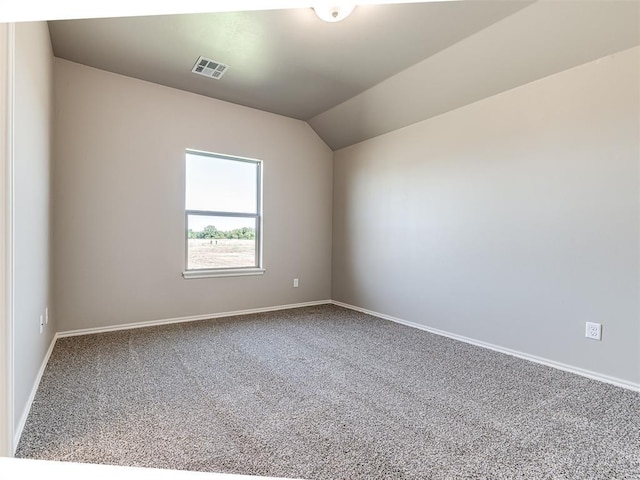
(330, 12)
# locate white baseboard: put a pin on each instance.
(128, 326)
(533, 358)
(32, 395)
(525, 356)
(194, 318)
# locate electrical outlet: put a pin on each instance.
(46, 315)
(593, 331)
(295, 283)
(41, 323)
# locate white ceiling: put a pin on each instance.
(282, 61)
(384, 67)
(545, 38)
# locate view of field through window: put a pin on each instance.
(231, 245)
(222, 212)
(221, 253)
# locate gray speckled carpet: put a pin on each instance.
(325, 393)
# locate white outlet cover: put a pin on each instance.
(593, 331)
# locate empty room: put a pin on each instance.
(322, 240)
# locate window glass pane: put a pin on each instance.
(221, 185)
(220, 242)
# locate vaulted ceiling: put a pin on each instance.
(384, 67)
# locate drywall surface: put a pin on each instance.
(544, 38)
(512, 221)
(33, 110)
(119, 174)
(6, 423)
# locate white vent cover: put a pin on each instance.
(209, 68)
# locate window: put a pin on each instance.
(222, 215)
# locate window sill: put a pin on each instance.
(239, 272)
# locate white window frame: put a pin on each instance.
(257, 268)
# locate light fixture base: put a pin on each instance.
(334, 13)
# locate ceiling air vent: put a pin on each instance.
(209, 68)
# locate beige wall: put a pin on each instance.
(119, 201)
(6, 426)
(511, 221)
(505, 55)
(32, 159)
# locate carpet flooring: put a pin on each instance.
(325, 393)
